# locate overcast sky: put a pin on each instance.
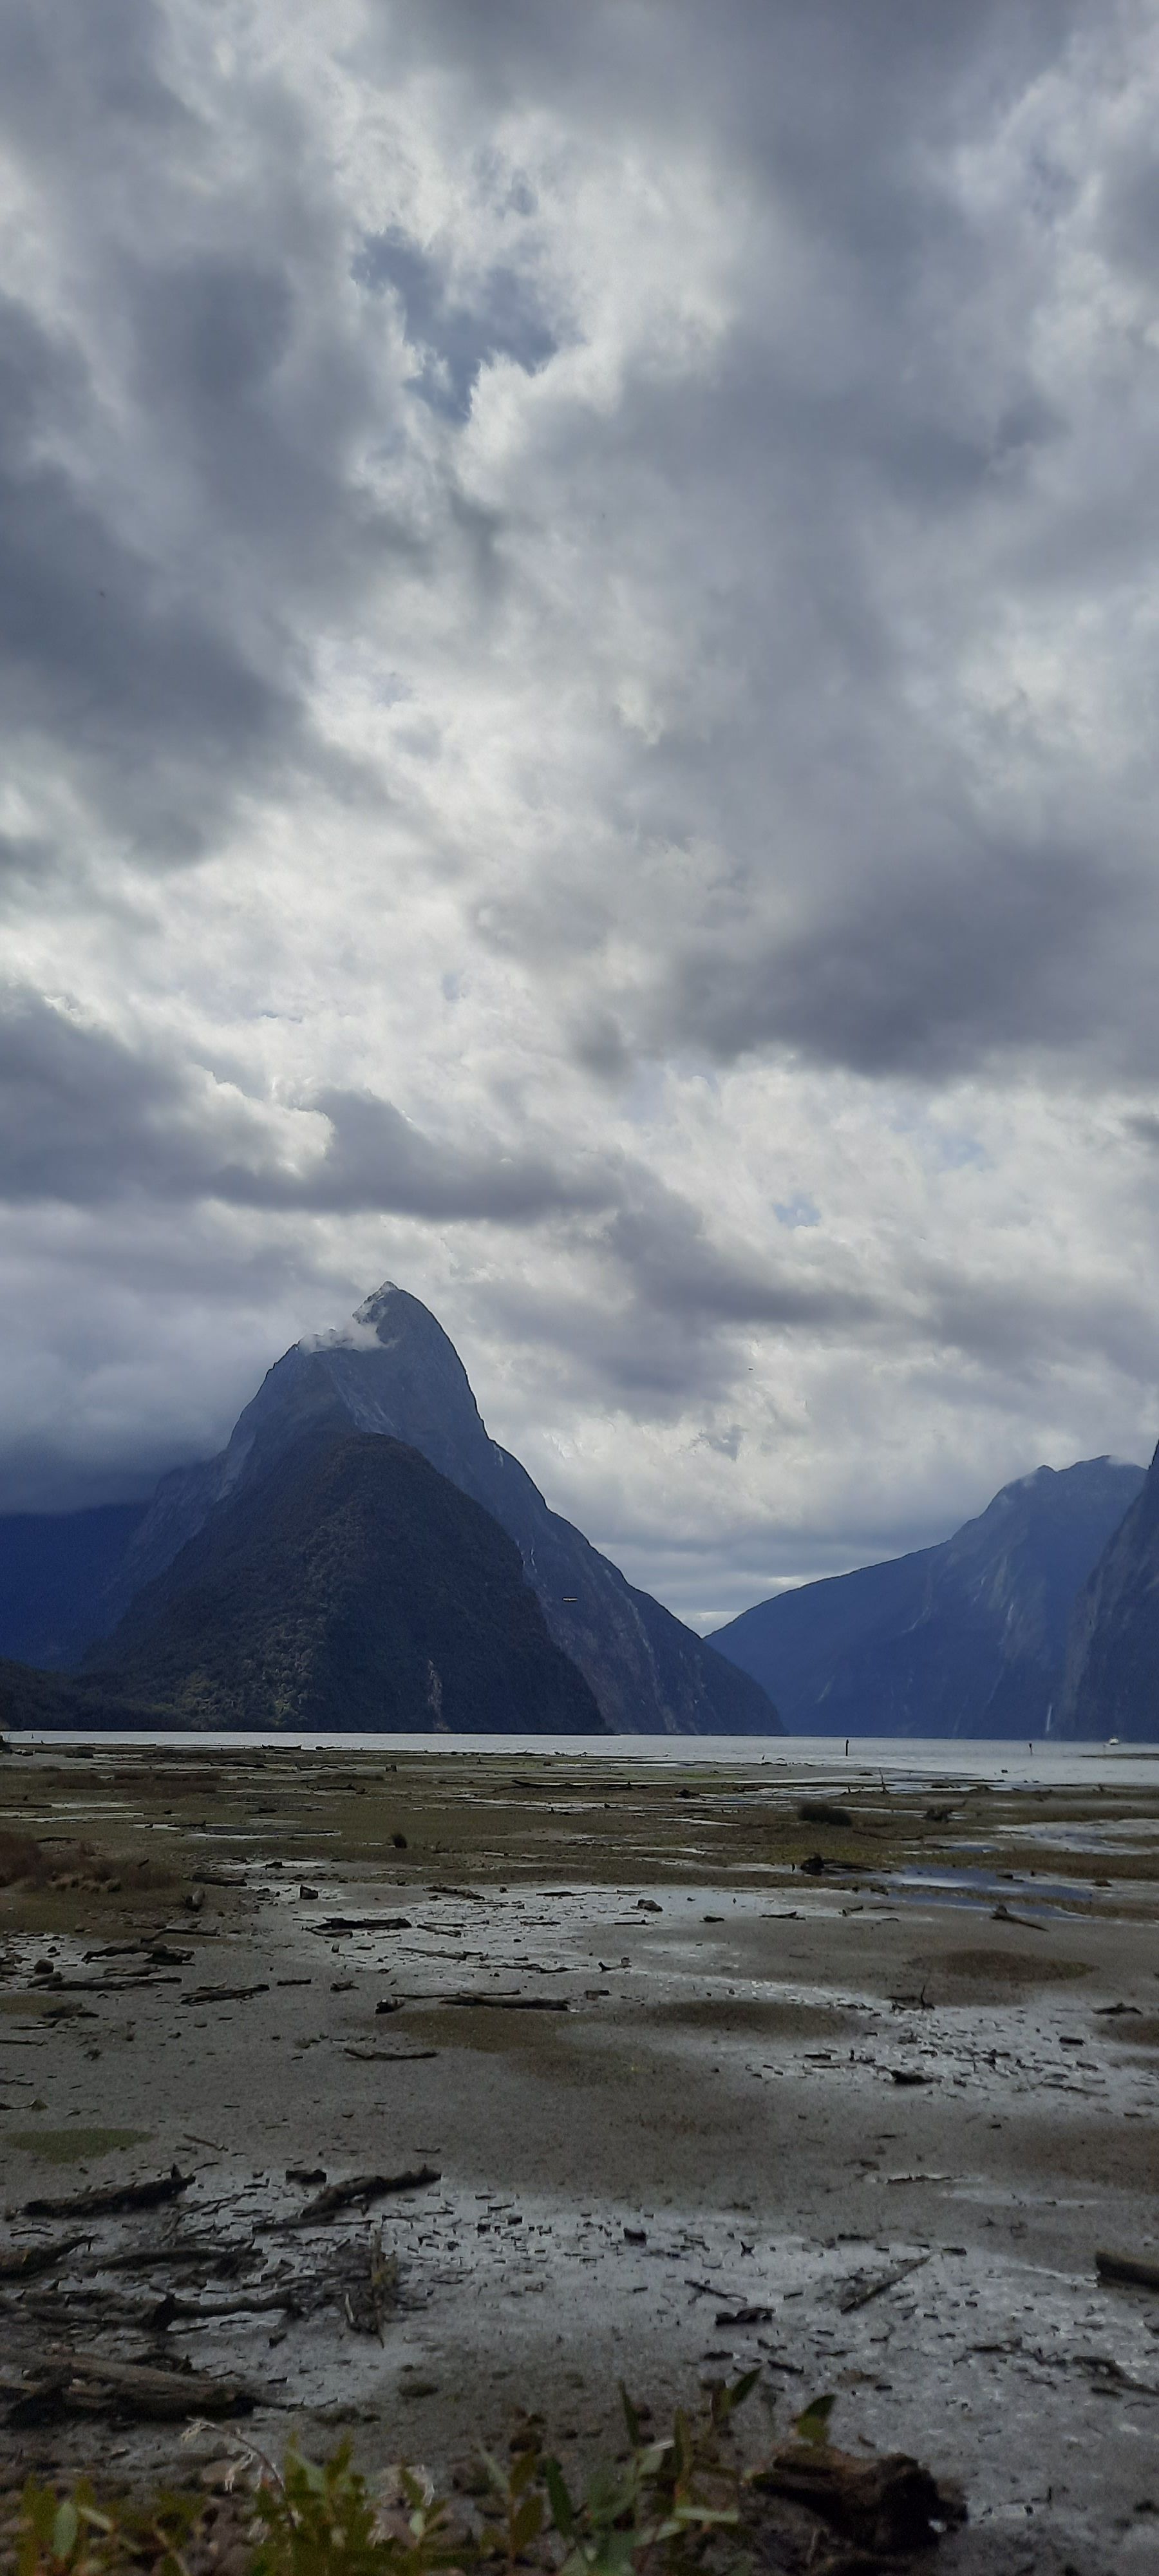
(578, 673)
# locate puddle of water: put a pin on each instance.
(983, 1882)
(1123, 1834)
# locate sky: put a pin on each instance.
(578, 672)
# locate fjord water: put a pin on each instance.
(1045, 1765)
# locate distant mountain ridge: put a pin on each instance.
(968, 1638)
(395, 1374)
(1112, 1674)
(55, 1572)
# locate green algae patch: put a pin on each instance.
(41, 2007)
(73, 2146)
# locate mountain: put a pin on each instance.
(1112, 1670)
(55, 1569)
(964, 1639)
(394, 1373)
(348, 1585)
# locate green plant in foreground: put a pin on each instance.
(314, 2519)
(813, 2426)
(74, 2536)
(667, 2502)
(681, 2505)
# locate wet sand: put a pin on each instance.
(706, 2161)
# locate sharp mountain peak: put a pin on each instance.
(394, 1372)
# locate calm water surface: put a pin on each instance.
(823, 1757)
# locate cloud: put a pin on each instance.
(576, 683)
(151, 706)
(935, 968)
(376, 1158)
(662, 1244)
(81, 1115)
(85, 1117)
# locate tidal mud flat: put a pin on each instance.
(468, 2086)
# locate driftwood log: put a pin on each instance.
(88, 2383)
(889, 2504)
(108, 2200)
(358, 2193)
(26, 2262)
(1133, 2268)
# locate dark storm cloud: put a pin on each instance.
(609, 1348)
(376, 1158)
(85, 1118)
(65, 65)
(767, 70)
(921, 972)
(176, 489)
(151, 702)
(81, 1116)
(1129, 211)
(660, 1241)
(110, 667)
(1028, 1329)
(260, 398)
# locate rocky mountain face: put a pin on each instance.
(55, 1570)
(1112, 1670)
(347, 1585)
(964, 1639)
(394, 1373)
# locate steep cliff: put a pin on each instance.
(964, 1639)
(1112, 1671)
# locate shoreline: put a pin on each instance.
(1050, 1762)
